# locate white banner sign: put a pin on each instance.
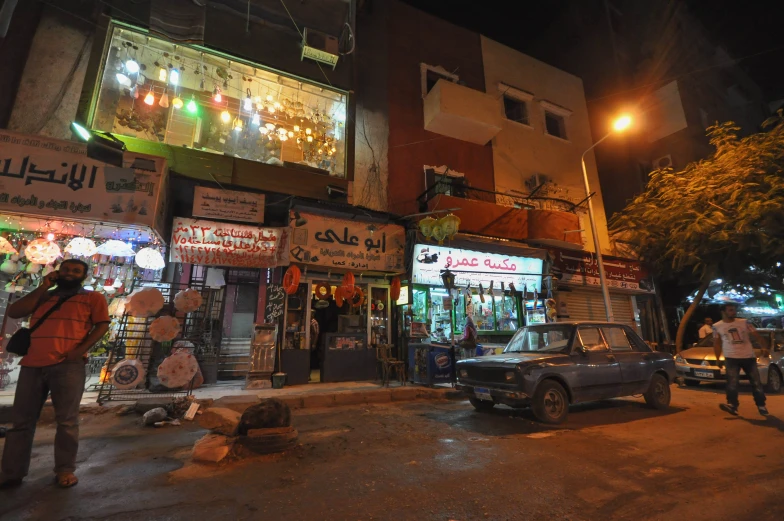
(212, 243)
(474, 267)
(228, 204)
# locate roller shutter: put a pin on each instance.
(588, 305)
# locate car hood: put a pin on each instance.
(700, 353)
(512, 358)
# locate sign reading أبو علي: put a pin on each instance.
(475, 267)
(581, 268)
(228, 204)
(343, 244)
(212, 243)
(55, 178)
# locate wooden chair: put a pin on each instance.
(398, 367)
(382, 359)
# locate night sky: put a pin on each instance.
(749, 30)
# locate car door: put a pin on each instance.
(635, 369)
(597, 372)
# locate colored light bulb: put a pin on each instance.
(192, 107)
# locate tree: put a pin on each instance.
(717, 216)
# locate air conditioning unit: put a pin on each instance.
(662, 162)
(320, 47)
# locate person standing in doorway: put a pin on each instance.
(731, 335)
(468, 342)
(54, 364)
(706, 329)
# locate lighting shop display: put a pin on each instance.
(81, 247)
(164, 329)
(150, 259)
(440, 229)
(6, 247)
(115, 248)
(178, 369)
(188, 300)
(145, 303)
(42, 251)
(128, 374)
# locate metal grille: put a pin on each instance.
(696, 361)
(494, 375)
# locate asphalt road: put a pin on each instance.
(435, 461)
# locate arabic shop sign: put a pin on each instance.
(211, 243)
(42, 176)
(581, 268)
(228, 204)
(344, 244)
(474, 267)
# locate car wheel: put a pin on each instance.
(658, 393)
(481, 405)
(774, 381)
(692, 383)
(550, 403)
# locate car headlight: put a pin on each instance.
(463, 373)
(679, 360)
(510, 376)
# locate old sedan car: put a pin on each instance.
(698, 364)
(549, 366)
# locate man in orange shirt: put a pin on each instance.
(54, 364)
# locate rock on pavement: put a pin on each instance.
(220, 420)
(154, 415)
(270, 413)
(212, 448)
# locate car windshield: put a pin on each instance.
(549, 338)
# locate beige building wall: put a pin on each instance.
(525, 155)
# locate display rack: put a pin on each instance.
(133, 341)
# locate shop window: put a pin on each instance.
(555, 124)
(515, 110)
(185, 96)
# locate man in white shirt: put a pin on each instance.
(732, 336)
(706, 329)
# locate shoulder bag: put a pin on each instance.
(19, 343)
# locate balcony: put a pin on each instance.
(462, 113)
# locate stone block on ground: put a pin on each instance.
(212, 448)
(146, 404)
(154, 415)
(220, 420)
(237, 403)
(319, 400)
(267, 441)
(270, 413)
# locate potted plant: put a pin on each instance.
(206, 353)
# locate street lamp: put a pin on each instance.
(619, 125)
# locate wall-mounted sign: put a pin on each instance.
(344, 244)
(228, 204)
(581, 268)
(474, 267)
(224, 244)
(55, 178)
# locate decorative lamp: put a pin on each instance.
(438, 233)
(132, 66)
(42, 251)
(81, 247)
(426, 226)
(149, 99)
(114, 248)
(164, 102)
(450, 225)
(5, 247)
(150, 259)
(237, 124)
(177, 103)
(178, 369)
(164, 329)
(225, 116)
(188, 300)
(128, 373)
(448, 278)
(9, 267)
(145, 303)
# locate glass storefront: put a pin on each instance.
(187, 96)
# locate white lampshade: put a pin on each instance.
(5, 246)
(150, 259)
(115, 248)
(42, 251)
(81, 247)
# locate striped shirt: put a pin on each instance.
(64, 329)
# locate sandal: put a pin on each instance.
(66, 479)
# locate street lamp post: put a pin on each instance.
(620, 125)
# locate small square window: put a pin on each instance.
(516, 110)
(555, 124)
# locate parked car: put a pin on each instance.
(698, 364)
(550, 366)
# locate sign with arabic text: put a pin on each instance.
(581, 268)
(475, 267)
(56, 179)
(344, 244)
(212, 243)
(228, 204)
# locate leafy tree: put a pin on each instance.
(717, 216)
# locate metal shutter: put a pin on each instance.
(588, 305)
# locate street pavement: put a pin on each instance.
(434, 460)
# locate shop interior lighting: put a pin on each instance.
(131, 67)
(174, 77)
(177, 103)
(122, 79)
(216, 95)
(256, 119)
(192, 107)
(149, 99)
(225, 116)
(162, 74)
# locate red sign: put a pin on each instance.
(213, 243)
(581, 268)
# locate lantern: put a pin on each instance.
(438, 234)
(115, 248)
(450, 225)
(426, 226)
(81, 247)
(145, 303)
(5, 247)
(448, 278)
(42, 251)
(394, 290)
(150, 259)
(164, 329)
(188, 300)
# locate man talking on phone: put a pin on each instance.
(54, 364)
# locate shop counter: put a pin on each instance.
(430, 364)
(347, 357)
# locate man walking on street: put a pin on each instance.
(54, 364)
(732, 336)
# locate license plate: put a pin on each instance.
(483, 394)
(703, 374)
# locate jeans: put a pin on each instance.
(65, 381)
(749, 366)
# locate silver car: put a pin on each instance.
(699, 363)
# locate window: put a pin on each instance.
(555, 124)
(449, 185)
(515, 110)
(431, 74)
(591, 339)
(187, 96)
(553, 338)
(617, 339)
